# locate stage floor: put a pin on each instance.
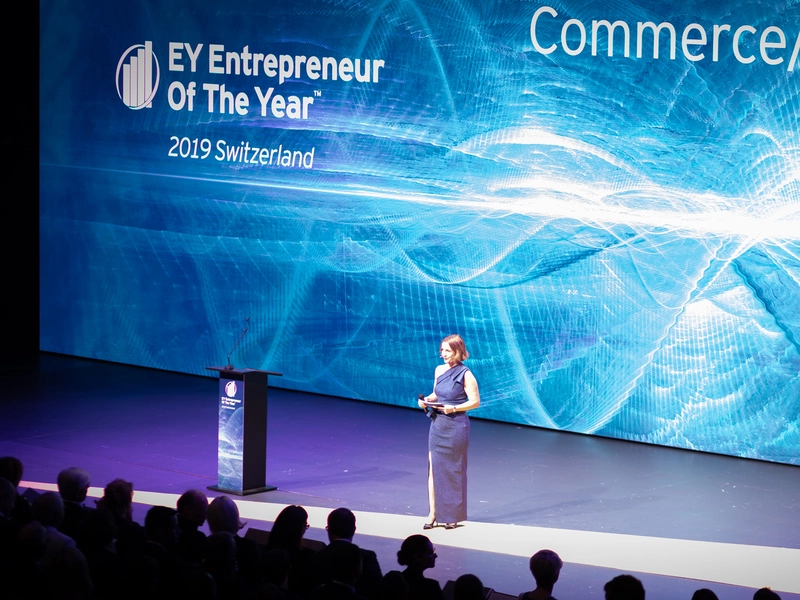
(676, 519)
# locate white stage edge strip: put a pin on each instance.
(733, 564)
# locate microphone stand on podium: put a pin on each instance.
(242, 433)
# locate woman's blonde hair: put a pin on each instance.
(458, 347)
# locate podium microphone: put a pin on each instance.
(229, 366)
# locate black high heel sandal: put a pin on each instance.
(430, 525)
(450, 525)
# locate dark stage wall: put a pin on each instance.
(20, 243)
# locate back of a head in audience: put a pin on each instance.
(193, 506)
(341, 524)
(704, 594)
(11, 469)
(417, 553)
(545, 567)
(223, 515)
(48, 509)
(288, 529)
(624, 587)
(468, 587)
(73, 484)
(118, 498)
(766, 594)
(161, 526)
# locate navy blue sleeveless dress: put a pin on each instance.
(448, 440)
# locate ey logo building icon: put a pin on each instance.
(138, 75)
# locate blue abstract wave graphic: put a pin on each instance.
(617, 238)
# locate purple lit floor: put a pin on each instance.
(159, 430)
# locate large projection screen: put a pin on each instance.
(602, 198)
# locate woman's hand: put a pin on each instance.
(421, 400)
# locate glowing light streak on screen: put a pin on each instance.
(705, 213)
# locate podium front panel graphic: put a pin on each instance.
(242, 431)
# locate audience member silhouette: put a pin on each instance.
(8, 527)
(73, 485)
(704, 594)
(468, 587)
(192, 511)
(345, 569)
(161, 528)
(118, 501)
(65, 567)
(418, 555)
(220, 563)
(223, 515)
(105, 566)
(341, 528)
(287, 533)
(766, 593)
(545, 566)
(624, 587)
(48, 509)
(11, 469)
(21, 549)
(288, 529)
(174, 573)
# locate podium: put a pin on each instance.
(242, 433)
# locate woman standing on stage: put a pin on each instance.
(455, 391)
